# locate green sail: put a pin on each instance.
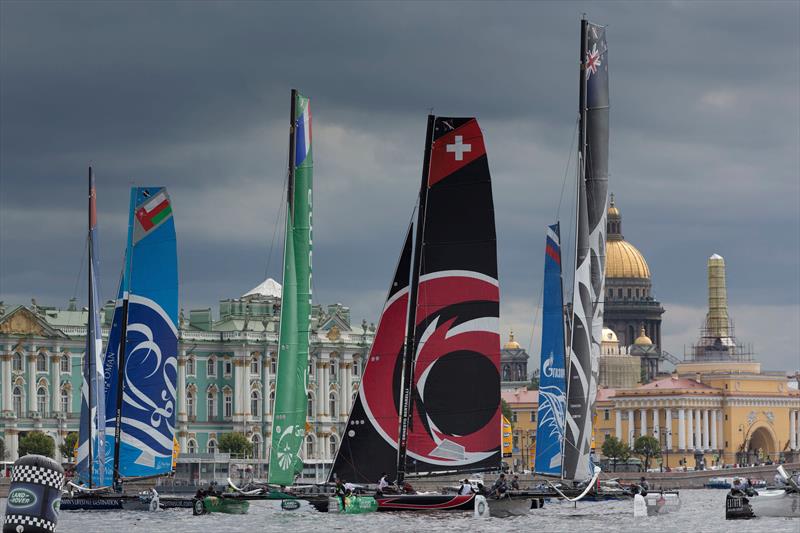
(289, 414)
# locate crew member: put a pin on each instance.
(500, 486)
(466, 488)
(382, 484)
(515, 483)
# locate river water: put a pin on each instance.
(701, 511)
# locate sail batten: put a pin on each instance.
(289, 417)
(589, 281)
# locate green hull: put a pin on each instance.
(355, 504)
(214, 504)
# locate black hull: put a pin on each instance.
(112, 502)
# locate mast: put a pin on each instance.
(411, 324)
(126, 288)
(292, 155)
(90, 333)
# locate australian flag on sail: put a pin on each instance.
(91, 467)
(552, 385)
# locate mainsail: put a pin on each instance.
(141, 358)
(429, 400)
(289, 418)
(552, 384)
(589, 284)
(451, 404)
(91, 466)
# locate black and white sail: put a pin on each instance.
(590, 258)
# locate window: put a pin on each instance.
(533, 416)
(191, 446)
(65, 407)
(255, 400)
(211, 370)
(254, 366)
(515, 443)
(333, 371)
(190, 403)
(311, 366)
(637, 293)
(41, 399)
(333, 404)
(610, 293)
(356, 370)
(629, 292)
(18, 401)
(17, 364)
(310, 408)
(309, 446)
(212, 446)
(190, 366)
(619, 293)
(66, 364)
(332, 444)
(228, 366)
(273, 365)
(271, 401)
(228, 399)
(211, 405)
(606, 414)
(256, 446)
(41, 362)
(514, 416)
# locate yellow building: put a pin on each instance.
(524, 404)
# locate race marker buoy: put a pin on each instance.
(639, 506)
(34, 496)
(481, 507)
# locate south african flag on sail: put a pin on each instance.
(155, 211)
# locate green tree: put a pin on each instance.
(616, 450)
(507, 412)
(647, 447)
(68, 448)
(38, 443)
(235, 444)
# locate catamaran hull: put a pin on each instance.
(777, 503)
(427, 502)
(111, 503)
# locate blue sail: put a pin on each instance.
(92, 453)
(552, 380)
(143, 413)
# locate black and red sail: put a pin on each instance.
(429, 399)
(454, 417)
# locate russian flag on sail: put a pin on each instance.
(302, 130)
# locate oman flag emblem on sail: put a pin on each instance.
(154, 212)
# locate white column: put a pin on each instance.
(12, 444)
(714, 430)
(643, 422)
(705, 430)
(720, 432)
(5, 367)
(698, 435)
(618, 423)
(32, 379)
(793, 430)
(681, 429)
(248, 357)
(690, 429)
(55, 382)
(182, 388)
(630, 427)
(656, 424)
(668, 428)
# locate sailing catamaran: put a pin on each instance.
(129, 399)
(437, 336)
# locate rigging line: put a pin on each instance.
(281, 206)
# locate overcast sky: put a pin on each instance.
(705, 137)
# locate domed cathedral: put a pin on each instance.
(631, 310)
(513, 365)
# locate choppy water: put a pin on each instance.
(701, 511)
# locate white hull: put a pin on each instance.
(777, 503)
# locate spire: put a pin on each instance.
(614, 224)
(717, 320)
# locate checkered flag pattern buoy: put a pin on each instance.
(34, 497)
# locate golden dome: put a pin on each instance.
(511, 344)
(623, 260)
(613, 210)
(609, 336)
(642, 339)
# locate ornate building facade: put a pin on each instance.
(226, 372)
(513, 365)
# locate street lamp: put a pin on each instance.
(743, 453)
(667, 443)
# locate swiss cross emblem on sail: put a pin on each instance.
(456, 149)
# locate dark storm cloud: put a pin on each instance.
(704, 141)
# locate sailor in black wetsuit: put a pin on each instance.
(500, 487)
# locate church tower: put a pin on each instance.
(631, 310)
